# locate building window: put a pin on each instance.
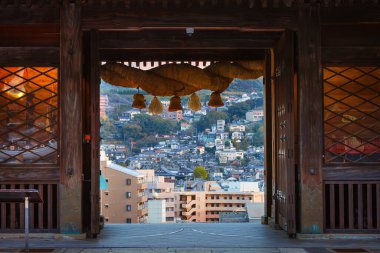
(107, 219)
(106, 193)
(351, 115)
(106, 205)
(29, 115)
(129, 181)
(230, 197)
(250, 198)
(128, 220)
(107, 180)
(128, 194)
(129, 208)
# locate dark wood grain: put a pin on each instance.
(181, 55)
(310, 119)
(268, 135)
(70, 118)
(177, 39)
(29, 56)
(23, 174)
(351, 173)
(95, 131)
(117, 18)
(347, 56)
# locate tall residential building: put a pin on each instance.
(103, 105)
(159, 189)
(125, 200)
(205, 206)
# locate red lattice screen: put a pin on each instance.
(351, 114)
(28, 115)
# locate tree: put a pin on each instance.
(200, 172)
(209, 119)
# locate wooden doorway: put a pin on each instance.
(127, 47)
(284, 135)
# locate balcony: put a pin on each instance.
(143, 198)
(229, 201)
(142, 186)
(225, 209)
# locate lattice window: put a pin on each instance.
(352, 114)
(28, 115)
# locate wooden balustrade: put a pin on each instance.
(352, 206)
(43, 216)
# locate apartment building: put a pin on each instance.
(103, 104)
(205, 206)
(159, 189)
(125, 200)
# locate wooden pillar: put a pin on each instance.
(95, 131)
(310, 119)
(268, 137)
(70, 190)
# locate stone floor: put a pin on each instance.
(196, 237)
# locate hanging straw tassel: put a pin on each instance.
(175, 104)
(194, 102)
(155, 106)
(215, 100)
(138, 101)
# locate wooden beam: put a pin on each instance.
(310, 119)
(33, 14)
(178, 39)
(120, 18)
(71, 119)
(26, 174)
(359, 14)
(351, 35)
(29, 56)
(362, 173)
(348, 56)
(29, 35)
(180, 55)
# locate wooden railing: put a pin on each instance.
(43, 216)
(352, 207)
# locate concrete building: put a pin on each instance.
(237, 135)
(254, 115)
(125, 200)
(156, 211)
(205, 206)
(237, 128)
(159, 189)
(220, 124)
(103, 104)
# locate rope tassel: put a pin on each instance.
(155, 106)
(194, 102)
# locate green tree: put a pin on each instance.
(200, 172)
(209, 119)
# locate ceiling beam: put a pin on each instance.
(180, 55)
(179, 39)
(114, 18)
